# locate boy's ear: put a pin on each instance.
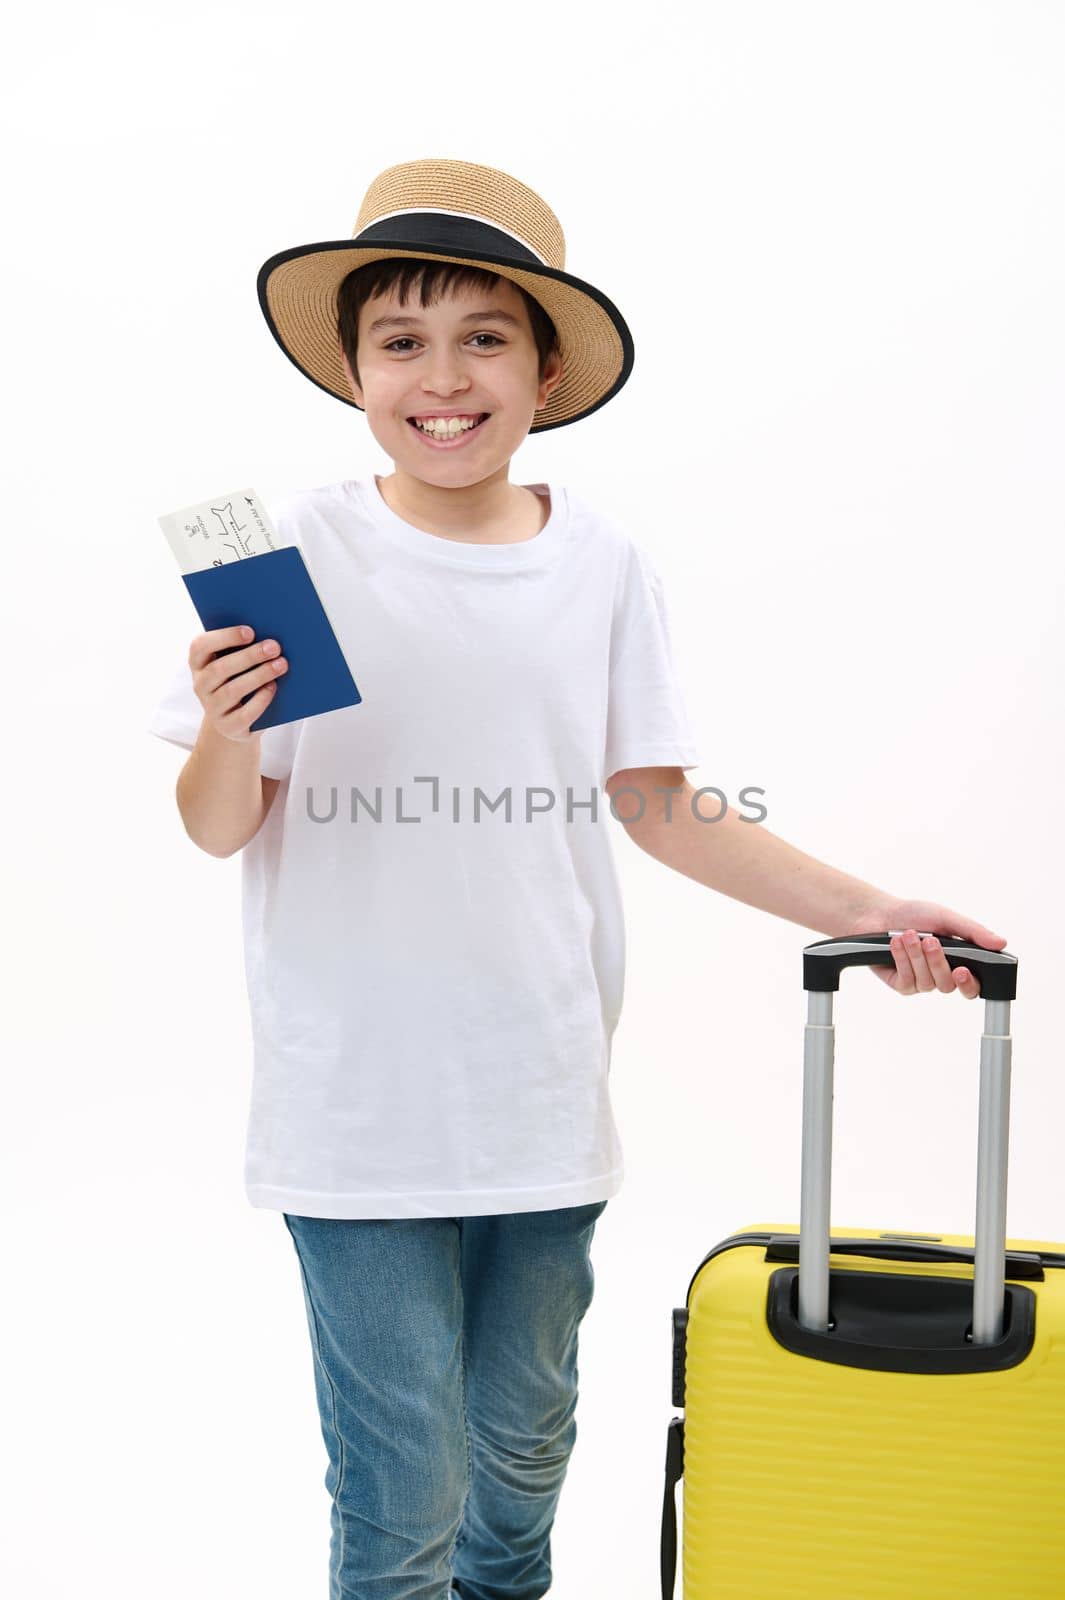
(551, 379)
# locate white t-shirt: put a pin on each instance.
(433, 1000)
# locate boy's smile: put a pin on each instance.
(459, 379)
(445, 431)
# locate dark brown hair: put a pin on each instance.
(437, 278)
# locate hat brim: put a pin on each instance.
(297, 292)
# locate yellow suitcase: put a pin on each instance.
(873, 1415)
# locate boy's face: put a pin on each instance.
(452, 357)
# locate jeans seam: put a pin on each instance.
(333, 1397)
(469, 1457)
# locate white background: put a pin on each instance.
(836, 233)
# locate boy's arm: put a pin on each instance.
(737, 858)
(270, 788)
(221, 794)
(746, 861)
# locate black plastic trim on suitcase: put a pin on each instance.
(680, 1347)
(1026, 1264)
(1049, 1258)
(895, 1322)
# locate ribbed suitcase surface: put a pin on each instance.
(802, 1477)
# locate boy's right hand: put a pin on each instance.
(225, 667)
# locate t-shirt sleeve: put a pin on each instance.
(647, 720)
(178, 715)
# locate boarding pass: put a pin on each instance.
(228, 528)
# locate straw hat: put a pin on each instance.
(461, 212)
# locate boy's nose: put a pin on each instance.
(445, 385)
(445, 375)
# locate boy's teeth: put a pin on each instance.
(446, 424)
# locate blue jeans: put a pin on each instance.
(445, 1367)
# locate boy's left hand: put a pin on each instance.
(920, 966)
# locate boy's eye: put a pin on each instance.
(405, 340)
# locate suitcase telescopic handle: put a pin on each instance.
(823, 962)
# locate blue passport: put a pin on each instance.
(273, 594)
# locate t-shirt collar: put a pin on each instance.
(526, 553)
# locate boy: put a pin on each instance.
(434, 936)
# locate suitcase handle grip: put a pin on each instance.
(823, 961)
(1021, 1264)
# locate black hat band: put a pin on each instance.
(448, 232)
